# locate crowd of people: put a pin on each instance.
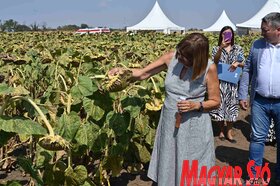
(185, 127)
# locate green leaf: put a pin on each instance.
(13, 183)
(26, 164)
(142, 124)
(76, 94)
(54, 173)
(117, 149)
(119, 122)
(142, 153)
(132, 105)
(5, 89)
(5, 136)
(150, 137)
(21, 126)
(88, 182)
(69, 125)
(24, 137)
(87, 134)
(77, 176)
(92, 109)
(20, 90)
(101, 142)
(43, 156)
(114, 163)
(105, 103)
(85, 86)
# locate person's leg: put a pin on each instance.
(230, 132)
(276, 119)
(221, 125)
(260, 121)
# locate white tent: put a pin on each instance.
(222, 21)
(156, 20)
(255, 21)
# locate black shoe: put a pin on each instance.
(232, 140)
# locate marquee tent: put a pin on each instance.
(255, 21)
(222, 21)
(156, 20)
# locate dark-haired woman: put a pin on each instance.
(184, 131)
(230, 53)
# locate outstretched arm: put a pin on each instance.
(153, 68)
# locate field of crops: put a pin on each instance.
(59, 123)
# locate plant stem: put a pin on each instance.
(55, 74)
(63, 81)
(21, 73)
(69, 158)
(154, 83)
(44, 118)
(69, 99)
(6, 102)
(98, 77)
(135, 86)
(79, 69)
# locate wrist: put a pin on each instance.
(221, 47)
(200, 107)
(236, 63)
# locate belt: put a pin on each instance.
(267, 98)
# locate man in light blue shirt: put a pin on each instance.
(262, 69)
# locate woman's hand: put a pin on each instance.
(223, 44)
(233, 66)
(136, 73)
(114, 71)
(243, 104)
(186, 106)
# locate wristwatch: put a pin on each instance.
(201, 108)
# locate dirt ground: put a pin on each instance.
(226, 154)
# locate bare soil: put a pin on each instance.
(226, 154)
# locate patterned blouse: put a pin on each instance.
(228, 110)
(235, 54)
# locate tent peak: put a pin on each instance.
(255, 21)
(222, 21)
(156, 20)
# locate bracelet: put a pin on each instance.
(201, 108)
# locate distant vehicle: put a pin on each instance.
(93, 30)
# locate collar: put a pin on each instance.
(272, 46)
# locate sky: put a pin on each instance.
(121, 13)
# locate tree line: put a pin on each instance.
(13, 26)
